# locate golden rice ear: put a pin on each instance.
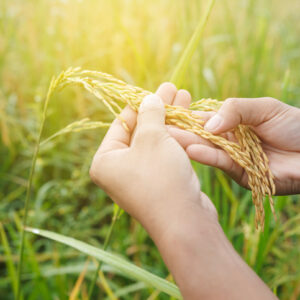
(248, 152)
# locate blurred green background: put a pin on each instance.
(249, 49)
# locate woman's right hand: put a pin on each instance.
(277, 125)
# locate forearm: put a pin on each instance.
(204, 263)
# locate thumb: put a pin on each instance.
(150, 120)
(151, 112)
(247, 111)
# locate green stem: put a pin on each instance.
(105, 245)
(29, 189)
(181, 67)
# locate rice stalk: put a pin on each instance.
(77, 126)
(247, 152)
(56, 83)
(181, 67)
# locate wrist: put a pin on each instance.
(196, 224)
(177, 216)
(203, 262)
(195, 252)
(183, 225)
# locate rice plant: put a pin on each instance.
(248, 49)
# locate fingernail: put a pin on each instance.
(151, 100)
(213, 123)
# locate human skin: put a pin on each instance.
(148, 174)
(276, 124)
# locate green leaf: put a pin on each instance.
(115, 261)
(191, 47)
(9, 261)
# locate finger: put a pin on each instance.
(183, 98)
(167, 92)
(151, 113)
(205, 115)
(215, 158)
(186, 138)
(247, 111)
(117, 137)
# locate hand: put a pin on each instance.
(149, 175)
(145, 171)
(277, 125)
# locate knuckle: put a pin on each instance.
(231, 104)
(185, 94)
(151, 107)
(148, 133)
(169, 86)
(271, 99)
(148, 130)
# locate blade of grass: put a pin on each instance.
(76, 288)
(181, 67)
(285, 85)
(115, 261)
(156, 293)
(129, 289)
(233, 30)
(9, 261)
(106, 287)
(117, 211)
(228, 192)
(29, 187)
(33, 263)
(263, 239)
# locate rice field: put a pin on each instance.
(247, 49)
